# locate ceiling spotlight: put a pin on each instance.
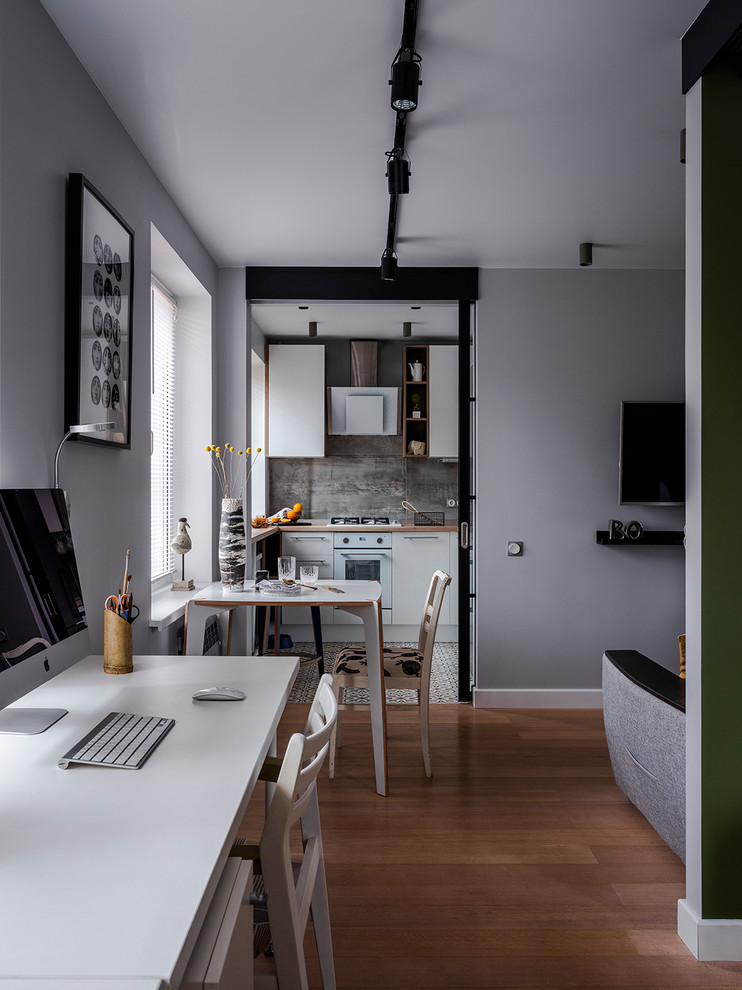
(586, 254)
(397, 173)
(312, 328)
(405, 80)
(406, 329)
(388, 266)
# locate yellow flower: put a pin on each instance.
(218, 453)
(249, 449)
(208, 450)
(259, 449)
(239, 453)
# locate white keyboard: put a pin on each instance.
(119, 740)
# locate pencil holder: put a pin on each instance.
(117, 654)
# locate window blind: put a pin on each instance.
(162, 424)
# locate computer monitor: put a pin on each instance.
(43, 629)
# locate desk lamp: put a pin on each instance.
(78, 428)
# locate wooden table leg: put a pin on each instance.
(371, 616)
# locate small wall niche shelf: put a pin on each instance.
(415, 401)
(649, 538)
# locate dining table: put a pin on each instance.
(360, 598)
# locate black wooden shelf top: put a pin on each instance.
(647, 674)
(656, 537)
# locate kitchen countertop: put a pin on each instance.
(324, 527)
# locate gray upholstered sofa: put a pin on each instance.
(644, 714)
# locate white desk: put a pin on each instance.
(361, 598)
(107, 874)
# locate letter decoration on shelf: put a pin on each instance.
(617, 532)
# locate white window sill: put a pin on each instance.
(167, 606)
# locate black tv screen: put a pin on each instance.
(652, 453)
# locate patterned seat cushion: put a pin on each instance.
(397, 661)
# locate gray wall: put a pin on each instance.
(557, 351)
(54, 121)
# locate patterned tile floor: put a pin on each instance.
(443, 681)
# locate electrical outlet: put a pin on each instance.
(452, 503)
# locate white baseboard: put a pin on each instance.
(527, 698)
(710, 939)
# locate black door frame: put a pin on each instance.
(414, 285)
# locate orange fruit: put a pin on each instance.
(298, 508)
(292, 514)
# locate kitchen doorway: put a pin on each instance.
(428, 294)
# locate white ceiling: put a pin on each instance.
(541, 124)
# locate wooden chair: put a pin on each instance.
(296, 887)
(404, 669)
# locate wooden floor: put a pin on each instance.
(520, 864)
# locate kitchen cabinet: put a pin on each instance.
(308, 548)
(414, 558)
(443, 400)
(296, 400)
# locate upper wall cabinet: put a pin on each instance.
(443, 377)
(296, 400)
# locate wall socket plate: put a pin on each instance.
(515, 548)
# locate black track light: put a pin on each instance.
(397, 173)
(312, 328)
(586, 254)
(388, 266)
(406, 329)
(405, 80)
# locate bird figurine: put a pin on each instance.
(182, 542)
(181, 545)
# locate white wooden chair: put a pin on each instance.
(404, 670)
(296, 887)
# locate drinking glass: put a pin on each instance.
(309, 573)
(286, 568)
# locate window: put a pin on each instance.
(162, 422)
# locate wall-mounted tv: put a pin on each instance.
(652, 453)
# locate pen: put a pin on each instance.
(126, 572)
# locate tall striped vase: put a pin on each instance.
(232, 545)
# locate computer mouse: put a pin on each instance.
(219, 694)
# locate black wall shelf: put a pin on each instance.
(649, 538)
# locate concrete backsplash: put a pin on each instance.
(363, 475)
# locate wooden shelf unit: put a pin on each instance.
(415, 427)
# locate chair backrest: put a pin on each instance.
(295, 799)
(429, 624)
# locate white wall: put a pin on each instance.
(557, 351)
(54, 121)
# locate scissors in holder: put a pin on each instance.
(120, 604)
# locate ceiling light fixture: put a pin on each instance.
(388, 266)
(405, 80)
(586, 254)
(312, 329)
(406, 329)
(397, 172)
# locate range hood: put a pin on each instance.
(363, 408)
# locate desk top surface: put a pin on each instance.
(109, 872)
(348, 593)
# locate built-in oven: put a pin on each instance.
(365, 556)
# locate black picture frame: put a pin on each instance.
(99, 297)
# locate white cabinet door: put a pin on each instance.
(296, 400)
(443, 400)
(414, 558)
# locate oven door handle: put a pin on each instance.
(363, 554)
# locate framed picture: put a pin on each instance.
(100, 254)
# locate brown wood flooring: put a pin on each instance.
(520, 864)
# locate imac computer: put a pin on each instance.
(43, 629)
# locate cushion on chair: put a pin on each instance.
(397, 660)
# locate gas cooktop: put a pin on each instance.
(363, 521)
